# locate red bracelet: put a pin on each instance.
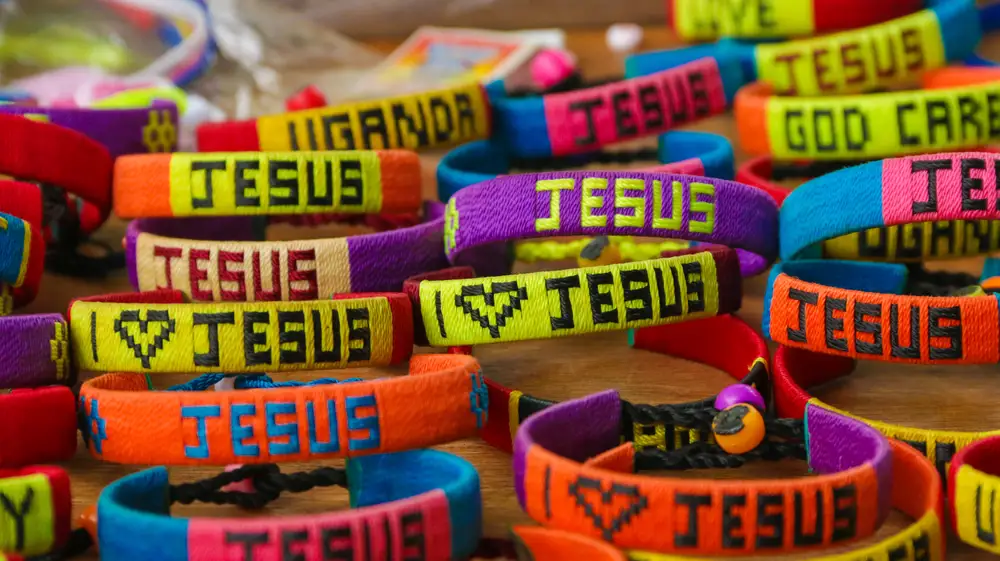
(39, 426)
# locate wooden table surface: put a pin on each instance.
(956, 398)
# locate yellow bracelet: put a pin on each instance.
(531, 251)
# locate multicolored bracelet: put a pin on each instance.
(559, 124)
(259, 183)
(859, 310)
(16, 244)
(972, 493)
(866, 127)
(130, 334)
(36, 352)
(684, 152)
(422, 120)
(571, 472)
(623, 203)
(925, 189)
(846, 62)
(701, 20)
(125, 422)
(36, 508)
(700, 283)
(422, 504)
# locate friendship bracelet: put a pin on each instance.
(39, 426)
(701, 20)
(570, 467)
(257, 183)
(35, 509)
(628, 249)
(959, 76)
(422, 504)
(588, 203)
(422, 120)
(866, 127)
(120, 131)
(927, 190)
(762, 171)
(745, 359)
(534, 543)
(846, 62)
(443, 399)
(22, 200)
(350, 331)
(916, 491)
(856, 309)
(972, 493)
(574, 122)
(36, 352)
(684, 152)
(279, 270)
(46, 153)
(15, 250)
(553, 303)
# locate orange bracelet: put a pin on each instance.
(958, 76)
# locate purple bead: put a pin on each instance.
(739, 393)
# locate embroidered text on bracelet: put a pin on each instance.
(625, 203)
(846, 62)
(241, 337)
(35, 509)
(566, 490)
(924, 189)
(422, 120)
(443, 399)
(711, 19)
(435, 515)
(577, 301)
(973, 494)
(248, 183)
(866, 127)
(864, 315)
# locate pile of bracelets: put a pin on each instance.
(861, 151)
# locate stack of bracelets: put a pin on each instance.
(832, 212)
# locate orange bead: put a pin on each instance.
(738, 428)
(609, 255)
(88, 521)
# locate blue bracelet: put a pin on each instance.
(989, 20)
(420, 499)
(482, 160)
(582, 121)
(957, 25)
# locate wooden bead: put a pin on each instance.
(738, 428)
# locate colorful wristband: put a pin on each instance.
(23, 200)
(422, 120)
(37, 506)
(283, 424)
(588, 203)
(697, 20)
(745, 359)
(36, 352)
(15, 249)
(684, 152)
(46, 153)
(856, 309)
(120, 131)
(532, 543)
(351, 331)
(39, 426)
(916, 491)
(869, 126)
(627, 248)
(278, 270)
(762, 172)
(926, 190)
(972, 493)
(846, 62)
(422, 504)
(558, 124)
(257, 183)
(578, 301)
(571, 472)
(959, 76)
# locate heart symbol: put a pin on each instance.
(515, 292)
(608, 525)
(129, 317)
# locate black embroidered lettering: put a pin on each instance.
(800, 536)
(970, 184)
(400, 115)
(313, 197)
(351, 183)
(598, 299)
(337, 544)
(563, 285)
(344, 122)
(845, 512)
(873, 242)
(18, 514)
(968, 110)
(993, 112)
(294, 337)
(466, 116)
(905, 139)
(953, 333)
(414, 548)
(941, 231)
(862, 311)
(699, 94)
(293, 137)
(793, 122)
(918, 445)
(943, 453)
(695, 286)
(358, 333)
(372, 125)
(652, 110)
(207, 167)
(770, 515)
(253, 338)
(248, 540)
(275, 181)
(910, 241)
(931, 167)
(668, 310)
(587, 106)
(895, 348)
(213, 321)
(827, 115)
(922, 547)
(624, 120)
(692, 502)
(641, 294)
(833, 324)
(289, 539)
(855, 145)
(732, 522)
(804, 298)
(444, 123)
(938, 117)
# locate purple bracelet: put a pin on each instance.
(121, 131)
(36, 352)
(616, 203)
(200, 257)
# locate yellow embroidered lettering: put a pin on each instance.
(553, 185)
(673, 222)
(638, 204)
(590, 201)
(706, 226)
